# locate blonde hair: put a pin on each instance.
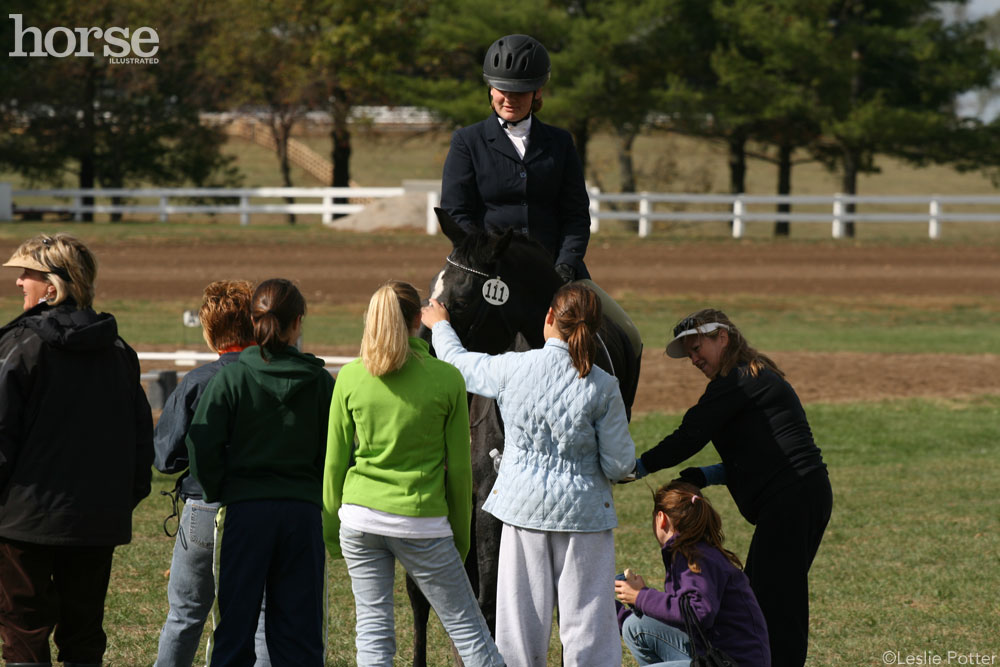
(68, 265)
(385, 345)
(225, 313)
(738, 350)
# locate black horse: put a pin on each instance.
(497, 289)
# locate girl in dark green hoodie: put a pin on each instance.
(257, 445)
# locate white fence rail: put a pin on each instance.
(164, 208)
(161, 383)
(735, 208)
(644, 208)
(190, 358)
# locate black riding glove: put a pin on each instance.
(566, 272)
(693, 476)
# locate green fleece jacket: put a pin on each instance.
(412, 454)
(259, 432)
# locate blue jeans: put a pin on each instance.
(191, 589)
(655, 643)
(434, 564)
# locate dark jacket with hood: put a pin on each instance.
(76, 433)
(259, 431)
(175, 420)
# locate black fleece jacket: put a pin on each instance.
(76, 433)
(760, 430)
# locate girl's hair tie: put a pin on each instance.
(693, 498)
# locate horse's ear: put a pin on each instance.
(450, 228)
(501, 244)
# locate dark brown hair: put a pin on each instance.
(577, 312)
(693, 519)
(737, 351)
(225, 313)
(277, 303)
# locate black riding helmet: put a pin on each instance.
(516, 64)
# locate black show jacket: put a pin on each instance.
(486, 185)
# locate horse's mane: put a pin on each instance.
(476, 249)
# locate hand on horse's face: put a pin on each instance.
(433, 313)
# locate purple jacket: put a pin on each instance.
(721, 599)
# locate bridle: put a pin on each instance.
(483, 309)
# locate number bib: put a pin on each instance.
(496, 292)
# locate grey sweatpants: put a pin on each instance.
(540, 570)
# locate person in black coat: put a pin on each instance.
(76, 446)
(513, 171)
(773, 468)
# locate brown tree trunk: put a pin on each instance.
(849, 186)
(281, 130)
(737, 162)
(782, 227)
(340, 139)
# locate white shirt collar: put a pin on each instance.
(522, 128)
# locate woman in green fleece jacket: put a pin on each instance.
(398, 481)
(256, 444)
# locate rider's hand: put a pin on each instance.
(566, 272)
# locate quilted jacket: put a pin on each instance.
(566, 438)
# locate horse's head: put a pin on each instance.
(494, 286)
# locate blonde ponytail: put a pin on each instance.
(385, 345)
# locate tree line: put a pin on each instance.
(837, 81)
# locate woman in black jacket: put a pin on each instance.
(772, 466)
(512, 170)
(76, 446)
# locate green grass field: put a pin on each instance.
(910, 560)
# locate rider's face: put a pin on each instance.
(511, 106)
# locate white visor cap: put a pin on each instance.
(675, 348)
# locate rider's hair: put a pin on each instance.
(693, 519)
(225, 314)
(577, 311)
(277, 305)
(737, 351)
(385, 345)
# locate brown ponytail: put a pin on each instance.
(277, 304)
(577, 311)
(693, 519)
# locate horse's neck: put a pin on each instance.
(531, 324)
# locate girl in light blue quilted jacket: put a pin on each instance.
(566, 443)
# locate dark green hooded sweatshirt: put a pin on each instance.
(259, 432)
